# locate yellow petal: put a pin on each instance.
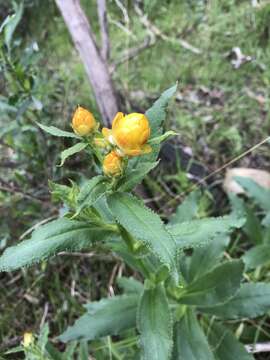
(117, 118)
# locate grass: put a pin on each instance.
(221, 112)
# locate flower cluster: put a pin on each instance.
(127, 138)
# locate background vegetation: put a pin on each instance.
(221, 110)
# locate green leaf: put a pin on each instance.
(157, 113)
(69, 353)
(102, 207)
(64, 193)
(266, 220)
(130, 285)
(251, 301)
(105, 317)
(135, 175)
(253, 228)
(154, 323)
(258, 193)
(90, 192)
(190, 342)
(48, 240)
(43, 337)
(83, 351)
(5, 107)
(11, 23)
(198, 232)
(71, 151)
(215, 287)
(187, 210)
(145, 225)
(159, 139)
(206, 257)
(53, 352)
(52, 130)
(225, 345)
(257, 256)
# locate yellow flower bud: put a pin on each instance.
(28, 339)
(83, 122)
(130, 133)
(113, 164)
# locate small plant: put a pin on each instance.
(39, 348)
(183, 283)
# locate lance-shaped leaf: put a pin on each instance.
(105, 317)
(187, 210)
(159, 139)
(145, 225)
(156, 116)
(205, 257)
(257, 256)
(251, 301)
(154, 323)
(198, 232)
(130, 285)
(71, 151)
(225, 345)
(190, 343)
(216, 286)
(59, 235)
(11, 22)
(90, 192)
(52, 130)
(258, 193)
(157, 113)
(135, 175)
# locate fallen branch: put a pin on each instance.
(133, 52)
(20, 192)
(158, 33)
(121, 26)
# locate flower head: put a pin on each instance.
(28, 339)
(130, 133)
(113, 164)
(83, 122)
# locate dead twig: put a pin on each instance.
(122, 27)
(124, 11)
(34, 227)
(111, 280)
(133, 52)
(44, 316)
(20, 192)
(158, 33)
(258, 348)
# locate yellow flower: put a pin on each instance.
(130, 133)
(28, 339)
(83, 122)
(113, 164)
